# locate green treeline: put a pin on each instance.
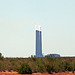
(33, 64)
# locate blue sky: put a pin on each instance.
(17, 27)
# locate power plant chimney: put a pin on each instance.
(38, 41)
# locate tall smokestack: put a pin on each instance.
(38, 41)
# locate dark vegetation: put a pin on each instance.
(25, 69)
(33, 64)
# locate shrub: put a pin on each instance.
(1, 57)
(25, 69)
(41, 68)
(33, 58)
(50, 68)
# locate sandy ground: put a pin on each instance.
(15, 73)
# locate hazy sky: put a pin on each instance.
(17, 27)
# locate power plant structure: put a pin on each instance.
(38, 41)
